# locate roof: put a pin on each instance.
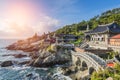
(116, 36)
(111, 28)
(110, 64)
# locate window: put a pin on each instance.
(98, 39)
(102, 39)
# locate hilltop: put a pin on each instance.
(104, 18)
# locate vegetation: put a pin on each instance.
(50, 49)
(109, 72)
(78, 28)
(77, 42)
(111, 54)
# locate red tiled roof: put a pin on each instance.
(116, 36)
(110, 65)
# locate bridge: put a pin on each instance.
(87, 61)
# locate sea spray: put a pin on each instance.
(59, 76)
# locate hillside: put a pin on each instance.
(104, 18)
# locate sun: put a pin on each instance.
(19, 13)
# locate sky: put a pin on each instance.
(23, 18)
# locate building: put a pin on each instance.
(115, 40)
(114, 43)
(100, 36)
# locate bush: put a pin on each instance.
(108, 72)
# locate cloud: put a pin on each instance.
(46, 24)
(15, 24)
(13, 29)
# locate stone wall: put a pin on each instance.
(115, 48)
(99, 52)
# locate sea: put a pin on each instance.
(23, 72)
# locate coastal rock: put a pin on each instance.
(28, 45)
(6, 63)
(44, 54)
(16, 55)
(34, 55)
(47, 59)
(24, 47)
(19, 55)
(23, 63)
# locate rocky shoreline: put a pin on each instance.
(42, 55)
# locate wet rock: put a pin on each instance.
(7, 55)
(19, 55)
(11, 47)
(33, 76)
(16, 55)
(31, 63)
(29, 75)
(34, 55)
(23, 63)
(6, 63)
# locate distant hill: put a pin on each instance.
(106, 17)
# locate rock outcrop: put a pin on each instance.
(16, 55)
(51, 57)
(28, 45)
(6, 63)
(42, 53)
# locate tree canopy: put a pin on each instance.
(104, 18)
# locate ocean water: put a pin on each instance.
(18, 72)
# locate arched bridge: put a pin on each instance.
(89, 61)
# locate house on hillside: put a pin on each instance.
(101, 36)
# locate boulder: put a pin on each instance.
(6, 63)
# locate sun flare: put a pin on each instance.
(19, 13)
